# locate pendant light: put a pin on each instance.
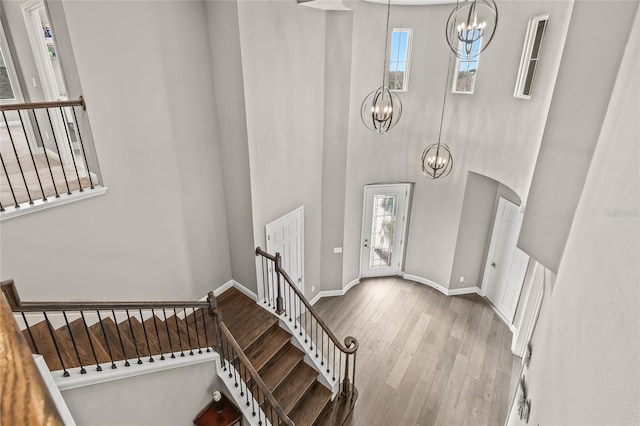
(437, 161)
(381, 109)
(470, 21)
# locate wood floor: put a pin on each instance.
(424, 358)
(39, 174)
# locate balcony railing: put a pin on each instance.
(43, 154)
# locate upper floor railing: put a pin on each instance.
(43, 153)
(282, 295)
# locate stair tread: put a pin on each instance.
(111, 340)
(294, 386)
(245, 319)
(138, 348)
(166, 340)
(275, 372)
(44, 344)
(81, 338)
(311, 405)
(267, 346)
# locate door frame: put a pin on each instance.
(489, 271)
(409, 188)
(300, 212)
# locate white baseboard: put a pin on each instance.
(333, 293)
(440, 288)
(233, 283)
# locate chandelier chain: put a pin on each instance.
(386, 45)
(444, 100)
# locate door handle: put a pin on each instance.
(300, 279)
(493, 264)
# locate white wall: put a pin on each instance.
(160, 232)
(169, 397)
(585, 367)
(490, 132)
(282, 47)
(575, 120)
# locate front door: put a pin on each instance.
(384, 229)
(506, 264)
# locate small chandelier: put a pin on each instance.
(381, 109)
(467, 24)
(437, 161)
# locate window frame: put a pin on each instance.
(11, 71)
(526, 58)
(457, 68)
(407, 62)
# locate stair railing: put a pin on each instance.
(282, 295)
(37, 133)
(244, 376)
(129, 331)
(124, 331)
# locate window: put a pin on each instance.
(8, 89)
(530, 56)
(399, 61)
(464, 79)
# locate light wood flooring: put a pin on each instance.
(37, 175)
(424, 358)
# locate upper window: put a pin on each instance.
(530, 56)
(399, 61)
(464, 79)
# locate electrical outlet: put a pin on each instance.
(313, 288)
(337, 249)
(461, 279)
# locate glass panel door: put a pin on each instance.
(384, 228)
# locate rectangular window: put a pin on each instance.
(530, 56)
(399, 60)
(464, 79)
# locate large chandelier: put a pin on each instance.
(437, 161)
(381, 109)
(470, 21)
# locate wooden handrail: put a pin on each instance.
(24, 398)
(41, 105)
(255, 377)
(348, 341)
(11, 294)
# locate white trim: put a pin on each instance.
(440, 288)
(235, 284)
(92, 377)
(25, 208)
(333, 293)
(58, 400)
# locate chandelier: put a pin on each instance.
(437, 161)
(381, 109)
(467, 24)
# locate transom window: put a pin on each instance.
(464, 79)
(399, 61)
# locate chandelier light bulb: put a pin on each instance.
(470, 21)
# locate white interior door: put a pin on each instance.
(384, 229)
(286, 236)
(506, 264)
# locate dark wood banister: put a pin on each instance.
(41, 105)
(255, 377)
(348, 341)
(11, 293)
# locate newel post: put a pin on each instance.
(217, 317)
(279, 300)
(346, 388)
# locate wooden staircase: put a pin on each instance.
(281, 365)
